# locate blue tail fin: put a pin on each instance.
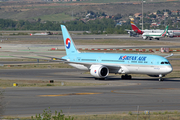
(68, 42)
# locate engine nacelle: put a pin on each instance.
(99, 71)
(156, 75)
(144, 37)
(170, 34)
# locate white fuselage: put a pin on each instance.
(133, 69)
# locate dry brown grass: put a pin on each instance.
(119, 42)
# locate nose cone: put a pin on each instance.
(169, 69)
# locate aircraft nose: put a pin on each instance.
(169, 69)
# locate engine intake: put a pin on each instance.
(144, 37)
(99, 71)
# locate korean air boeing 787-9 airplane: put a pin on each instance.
(101, 64)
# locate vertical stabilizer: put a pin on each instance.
(165, 32)
(68, 42)
(135, 28)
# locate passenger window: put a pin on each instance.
(162, 62)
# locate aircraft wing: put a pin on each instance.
(129, 30)
(56, 59)
(169, 55)
(53, 59)
(82, 63)
(88, 65)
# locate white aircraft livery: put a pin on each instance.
(155, 35)
(101, 64)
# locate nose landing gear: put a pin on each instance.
(160, 78)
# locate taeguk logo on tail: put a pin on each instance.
(68, 43)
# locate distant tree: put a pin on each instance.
(103, 14)
(169, 22)
(152, 16)
(110, 30)
(39, 19)
(167, 10)
(118, 16)
(146, 20)
(144, 14)
(91, 12)
(158, 12)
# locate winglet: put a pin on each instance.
(169, 55)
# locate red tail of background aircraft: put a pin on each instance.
(136, 29)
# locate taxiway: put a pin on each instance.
(114, 97)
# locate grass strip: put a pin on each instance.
(158, 115)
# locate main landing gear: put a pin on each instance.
(126, 77)
(99, 78)
(157, 38)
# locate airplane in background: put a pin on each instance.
(156, 36)
(43, 33)
(101, 64)
(171, 33)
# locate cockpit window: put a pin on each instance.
(165, 63)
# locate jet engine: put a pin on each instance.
(156, 75)
(170, 34)
(99, 71)
(144, 37)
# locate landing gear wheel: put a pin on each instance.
(161, 79)
(129, 77)
(126, 77)
(122, 77)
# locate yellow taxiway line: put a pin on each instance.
(68, 94)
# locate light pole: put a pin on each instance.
(142, 14)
